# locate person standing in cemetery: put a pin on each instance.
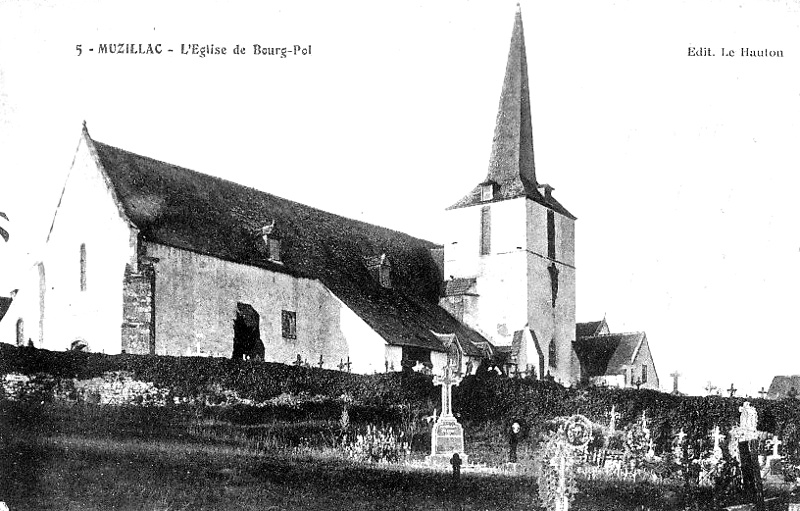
(513, 440)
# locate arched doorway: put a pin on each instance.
(247, 333)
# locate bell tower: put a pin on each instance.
(510, 247)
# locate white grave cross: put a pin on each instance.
(775, 443)
(717, 436)
(447, 381)
(614, 415)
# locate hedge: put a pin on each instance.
(486, 399)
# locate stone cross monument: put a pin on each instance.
(675, 377)
(447, 436)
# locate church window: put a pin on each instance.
(552, 354)
(553, 269)
(289, 324)
(551, 234)
(644, 373)
(83, 266)
(20, 332)
(486, 231)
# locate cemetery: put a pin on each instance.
(90, 431)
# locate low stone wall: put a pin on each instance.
(120, 388)
(113, 388)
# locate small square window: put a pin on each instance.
(289, 324)
(487, 192)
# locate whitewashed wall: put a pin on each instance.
(87, 214)
(196, 297)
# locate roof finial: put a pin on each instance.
(519, 8)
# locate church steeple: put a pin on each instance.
(512, 172)
(511, 164)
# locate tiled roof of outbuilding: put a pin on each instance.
(188, 210)
(782, 385)
(587, 329)
(459, 286)
(607, 354)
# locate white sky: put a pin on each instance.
(682, 170)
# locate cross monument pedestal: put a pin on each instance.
(447, 436)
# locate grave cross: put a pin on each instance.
(675, 377)
(775, 443)
(710, 388)
(614, 415)
(341, 365)
(298, 362)
(717, 436)
(732, 390)
(348, 364)
(763, 393)
(447, 381)
(320, 363)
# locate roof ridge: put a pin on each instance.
(611, 334)
(235, 183)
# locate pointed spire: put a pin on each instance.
(511, 163)
(512, 172)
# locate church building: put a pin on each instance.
(151, 258)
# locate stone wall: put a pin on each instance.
(138, 311)
(196, 301)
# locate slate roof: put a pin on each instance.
(460, 286)
(781, 385)
(511, 164)
(5, 303)
(189, 210)
(588, 329)
(607, 354)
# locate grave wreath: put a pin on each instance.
(560, 452)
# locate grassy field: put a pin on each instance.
(91, 457)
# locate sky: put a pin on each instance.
(682, 170)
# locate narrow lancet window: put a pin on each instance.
(83, 266)
(486, 231)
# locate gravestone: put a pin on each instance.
(447, 436)
(744, 445)
(677, 449)
(716, 436)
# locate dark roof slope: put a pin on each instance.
(5, 303)
(606, 354)
(185, 209)
(587, 329)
